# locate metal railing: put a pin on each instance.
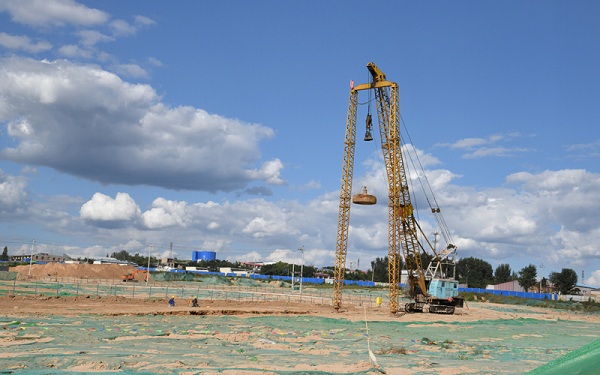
(68, 287)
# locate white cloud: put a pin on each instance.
(165, 213)
(143, 21)
(12, 192)
(104, 208)
(481, 147)
(72, 50)
(131, 70)
(121, 27)
(89, 38)
(509, 225)
(43, 13)
(593, 279)
(494, 151)
(117, 132)
(469, 143)
(270, 172)
(23, 43)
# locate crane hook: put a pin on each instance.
(369, 124)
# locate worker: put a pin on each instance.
(172, 301)
(195, 302)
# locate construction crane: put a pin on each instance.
(403, 228)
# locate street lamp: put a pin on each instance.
(31, 257)
(541, 269)
(148, 271)
(301, 268)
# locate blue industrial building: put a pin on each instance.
(198, 256)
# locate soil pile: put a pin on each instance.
(79, 271)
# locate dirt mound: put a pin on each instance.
(80, 271)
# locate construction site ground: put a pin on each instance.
(86, 333)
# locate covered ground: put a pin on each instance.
(41, 334)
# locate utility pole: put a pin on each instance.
(541, 268)
(293, 273)
(148, 273)
(301, 268)
(31, 256)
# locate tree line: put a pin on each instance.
(472, 272)
(478, 273)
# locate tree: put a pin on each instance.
(122, 255)
(277, 269)
(475, 272)
(565, 281)
(380, 269)
(527, 277)
(503, 273)
(4, 255)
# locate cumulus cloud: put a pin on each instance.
(593, 279)
(23, 43)
(12, 192)
(165, 213)
(88, 122)
(568, 196)
(104, 208)
(483, 147)
(131, 70)
(43, 13)
(89, 38)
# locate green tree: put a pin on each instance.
(277, 269)
(309, 271)
(564, 281)
(4, 255)
(475, 272)
(503, 273)
(215, 264)
(426, 259)
(527, 277)
(122, 255)
(379, 268)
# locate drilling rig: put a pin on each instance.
(403, 228)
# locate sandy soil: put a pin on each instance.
(72, 306)
(78, 271)
(24, 306)
(18, 306)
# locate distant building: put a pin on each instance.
(196, 269)
(198, 256)
(40, 257)
(169, 262)
(106, 260)
(256, 266)
(511, 286)
(236, 271)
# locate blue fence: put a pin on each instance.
(510, 293)
(314, 280)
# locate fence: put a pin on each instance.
(510, 293)
(68, 287)
(260, 291)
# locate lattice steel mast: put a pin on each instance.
(402, 229)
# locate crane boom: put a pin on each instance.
(402, 225)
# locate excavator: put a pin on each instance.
(131, 277)
(433, 290)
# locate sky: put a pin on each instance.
(166, 128)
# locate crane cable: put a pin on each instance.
(434, 209)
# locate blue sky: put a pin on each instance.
(220, 126)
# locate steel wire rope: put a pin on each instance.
(377, 148)
(439, 218)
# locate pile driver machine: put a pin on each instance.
(433, 289)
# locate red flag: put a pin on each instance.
(351, 84)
